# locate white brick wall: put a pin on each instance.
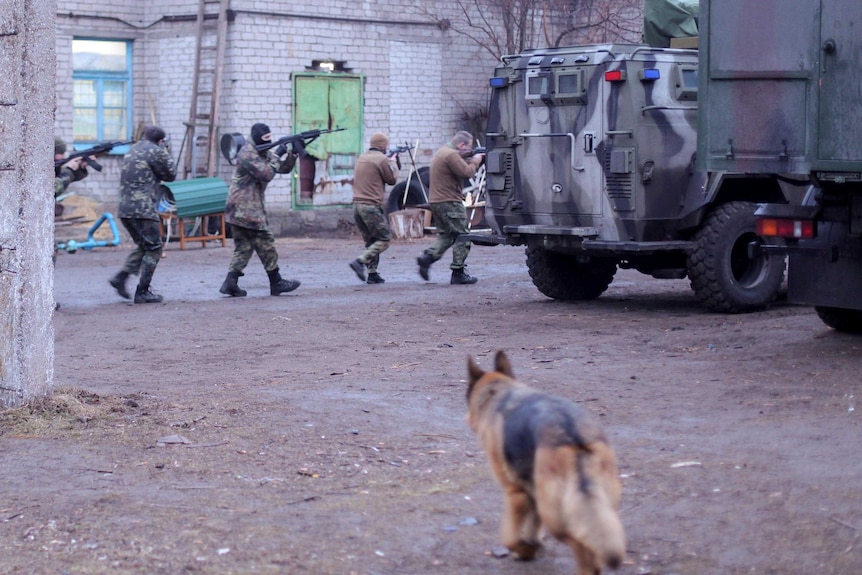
(419, 78)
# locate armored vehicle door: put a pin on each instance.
(558, 133)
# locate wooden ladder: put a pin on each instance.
(201, 152)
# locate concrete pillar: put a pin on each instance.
(27, 79)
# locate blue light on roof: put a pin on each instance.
(650, 74)
(498, 82)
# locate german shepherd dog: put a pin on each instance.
(554, 464)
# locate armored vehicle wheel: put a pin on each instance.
(563, 277)
(846, 320)
(722, 275)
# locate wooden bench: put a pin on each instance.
(196, 198)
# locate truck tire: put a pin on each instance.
(722, 275)
(839, 319)
(563, 277)
(415, 197)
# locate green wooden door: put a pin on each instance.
(327, 101)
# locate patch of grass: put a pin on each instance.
(65, 410)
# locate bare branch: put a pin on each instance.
(510, 26)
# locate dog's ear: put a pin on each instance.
(473, 370)
(502, 365)
(474, 373)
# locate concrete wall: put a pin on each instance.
(419, 78)
(26, 201)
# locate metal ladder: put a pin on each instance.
(200, 141)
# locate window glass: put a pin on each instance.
(114, 125)
(101, 90)
(569, 83)
(685, 80)
(538, 85)
(99, 55)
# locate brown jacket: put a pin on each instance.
(370, 176)
(448, 170)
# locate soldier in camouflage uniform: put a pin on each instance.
(146, 164)
(372, 172)
(72, 171)
(448, 170)
(246, 213)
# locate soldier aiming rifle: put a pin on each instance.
(231, 143)
(89, 155)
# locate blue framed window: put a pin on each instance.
(101, 90)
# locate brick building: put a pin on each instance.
(365, 66)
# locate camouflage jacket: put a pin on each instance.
(145, 165)
(66, 176)
(245, 200)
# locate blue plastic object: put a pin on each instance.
(72, 246)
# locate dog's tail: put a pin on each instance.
(590, 497)
(604, 534)
(598, 494)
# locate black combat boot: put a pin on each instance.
(462, 277)
(374, 278)
(143, 293)
(278, 285)
(230, 286)
(359, 268)
(424, 262)
(118, 282)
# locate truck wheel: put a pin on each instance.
(415, 197)
(846, 320)
(563, 277)
(722, 275)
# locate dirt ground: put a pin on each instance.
(322, 432)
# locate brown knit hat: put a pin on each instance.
(379, 140)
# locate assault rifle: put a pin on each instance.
(399, 150)
(478, 150)
(231, 143)
(97, 150)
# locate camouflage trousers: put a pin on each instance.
(247, 242)
(374, 227)
(147, 236)
(451, 220)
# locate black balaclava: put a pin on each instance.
(258, 131)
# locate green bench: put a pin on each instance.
(202, 198)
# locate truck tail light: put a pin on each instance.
(782, 228)
(615, 76)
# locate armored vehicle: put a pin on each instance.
(591, 167)
(781, 99)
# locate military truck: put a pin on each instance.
(591, 167)
(781, 99)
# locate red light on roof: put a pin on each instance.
(615, 76)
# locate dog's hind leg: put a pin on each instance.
(520, 528)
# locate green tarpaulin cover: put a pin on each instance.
(666, 19)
